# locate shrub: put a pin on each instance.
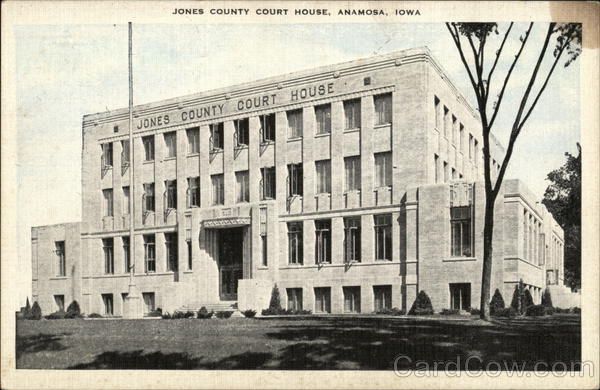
(155, 313)
(497, 302)
(36, 312)
(249, 313)
(447, 312)
(394, 311)
(575, 310)
(475, 311)
(224, 314)
(26, 311)
(166, 316)
(506, 312)
(521, 298)
(73, 311)
(536, 310)
(57, 315)
(203, 313)
(94, 315)
(527, 300)
(178, 314)
(422, 305)
(275, 302)
(547, 298)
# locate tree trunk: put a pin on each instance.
(486, 278)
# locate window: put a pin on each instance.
(60, 254)
(352, 114)
(126, 254)
(383, 109)
(445, 172)
(193, 137)
(383, 297)
(115, 129)
(323, 176)
(60, 302)
(352, 239)
(264, 250)
(107, 155)
(294, 119)
(218, 196)
(476, 151)
(148, 142)
(436, 167)
(461, 138)
(295, 179)
(149, 302)
(295, 242)
(109, 259)
(171, 144)
(108, 202)
(242, 191)
(438, 119)
(323, 118)
(453, 174)
(460, 221)
(460, 296)
(383, 169)
(242, 134)
(268, 183)
(148, 197)
(171, 194)
(323, 241)
(352, 168)
(216, 136)
(267, 127)
(470, 146)
(149, 253)
(446, 121)
(294, 298)
(351, 299)
(322, 299)
(383, 237)
(125, 152)
(189, 254)
(171, 251)
(126, 205)
(454, 129)
(193, 192)
(108, 304)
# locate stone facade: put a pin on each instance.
(416, 149)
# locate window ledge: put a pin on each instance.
(170, 158)
(242, 146)
(216, 151)
(294, 139)
(321, 135)
(383, 126)
(189, 271)
(193, 154)
(456, 259)
(267, 143)
(351, 130)
(262, 268)
(58, 278)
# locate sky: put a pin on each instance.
(66, 71)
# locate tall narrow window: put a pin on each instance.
(352, 114)
(60, 302)
(189, 254)
(470, 146)
(476, 151)
(295, 243)
(294, 298)
(126, 254)
(323, 118)
(322, 299)
(383, 237)
(148, 142)
(352, 173)
(295, 179)
(218, 195)
(323, 241)
(171, 194)
(383, 109)
(323, 176)
(108, 202)
(148, 197)
(383, 169)
(125, 152)
(461, 138)
(454, 130)
(438, 112)
(126, 204)
(264, 250)
(445, 172)
(267, 127)
(268, 183)
(242, 190)
(216, 136)
(193, 137)
(171, 251)
(171, 144)
(351, 299)
(107, 154)
(149, 253)
(60, 255)
(382, 297)
(107, 299)
(294, 119)
(436, 167)
(193, 192)
(446, 121)
(352, 239)
(109, 260)
(242, 132)
(461, 228)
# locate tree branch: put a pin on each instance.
(456, 38)
(489, 78)
(510, 70)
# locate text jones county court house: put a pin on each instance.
(351, 186)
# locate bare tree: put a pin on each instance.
(568, 39)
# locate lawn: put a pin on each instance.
(368, 342)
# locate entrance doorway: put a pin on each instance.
(460, 296)
(231, 254)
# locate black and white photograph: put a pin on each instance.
(252, 193)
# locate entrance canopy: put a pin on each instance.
(226, 222)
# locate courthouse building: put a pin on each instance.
(352, 187)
